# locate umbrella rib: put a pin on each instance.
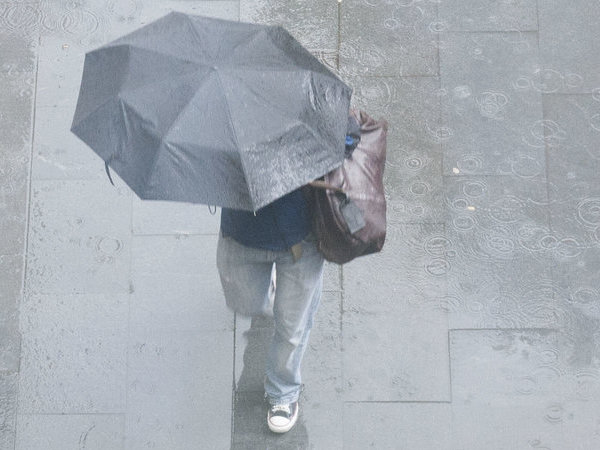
(193, 27)
(166, 133)
(235, 136)
(196, 63)
(259, 32)
(155, 51)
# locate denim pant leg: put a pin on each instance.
(245, 276)
(297, 296)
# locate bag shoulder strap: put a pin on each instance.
(319, 184)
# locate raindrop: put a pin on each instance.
(596, 235)
(595, 122)
(450, 304)
(462, 92)
(584, 296)
(526, 385)
(438, 267)
(492, 104)
(587, 384)
(20, 17)
(530, 237)
(549, 242)
(499, 244)
(505, 209)
(573, 80)
(554, 413)
(463, 223)
(437, 246)
(474, 188)
(417, 210)
(414, 163)
(108, 245)
(550, 81)
(460, 203)
(441, 133)
(568, 248)
(419, 188)
(526, 167)
(588, 211)
(390, 23)
(437, 27)
(503, 304)
(469, 163)
(545, 132)
(549, 356)
(522, 83)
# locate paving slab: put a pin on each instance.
(570, 425)
(18, 50)
(65, 431)
(322, 364)
(504, 379)
(79, 238)
(488, 15)
(16, 99)
(569, 54)
(20, 20)
(573, 123)
(498, 253)
(413, 171)
(11, 287)
(332, 277)
(314, 23)
(491, 105)
(179, 389)
(386, 38)
(176, 285)
(57, 153)
(8, 416)
(414, 425)
(74, 350)
(157, 217)
(395, 344)
(14, 190)
(521, 367)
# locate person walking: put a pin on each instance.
(250, 245)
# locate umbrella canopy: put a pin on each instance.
(202, 110)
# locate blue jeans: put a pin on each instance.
(246, 276)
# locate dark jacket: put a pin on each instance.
(277, 226)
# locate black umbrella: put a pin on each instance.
(202, 110)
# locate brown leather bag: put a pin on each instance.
(349, 205)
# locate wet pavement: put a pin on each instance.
(478, 326)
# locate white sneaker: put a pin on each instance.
(281, 418)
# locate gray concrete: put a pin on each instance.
(478, 326)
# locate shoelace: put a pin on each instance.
(284, 408)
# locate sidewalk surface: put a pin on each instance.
(478, 327)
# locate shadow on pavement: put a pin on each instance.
(250, 430)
